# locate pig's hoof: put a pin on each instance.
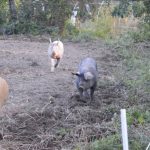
(52, 70)
(81, 100)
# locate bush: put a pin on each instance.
(109, 143)
(121, 10)
(103, 26)
(138, 8)
(29, 27)
(142, 34)
(3, 12)
(138, 116)
(100, 27)
(35, 16)
(22, 28)
(70, 30)
(136, 145)
(83, 37)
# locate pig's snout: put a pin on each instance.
(81, 86)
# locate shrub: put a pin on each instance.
(136, 116)
(70, 30)
(103, 26)
(83, 37)
(109, 143)
(138, 8)
(122, 9)
(100, 27)
(142, 34)
(22, 28)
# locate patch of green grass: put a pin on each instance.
(84, 37)
(109, 143)
(70, 31)
(62, 132)
(112, 142)
(103, 26)
(136, 145)
(137, 116)
(137, 71)
(98, 27)
(134, 72)
(142, 34)
(134, 68)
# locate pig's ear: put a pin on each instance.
(88, 76)
(50, 40)
(77, 73)
(57, 43)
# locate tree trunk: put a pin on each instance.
(12, 9)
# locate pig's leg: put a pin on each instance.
(57, 62)
(92, 89)
(82, 97)
(52, 64)
(86, 94)
(81, 93)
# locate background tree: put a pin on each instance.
(12, 9)
(122, 9)
(37, 16)
(138, 8)
(59, 12)
(3, 12)
(147, 10)
(49, 16)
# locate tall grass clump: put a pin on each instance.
(114, 142)
(109, 143)
(70, 31)
(100, 26)
(133, 71)
(103, 26)
(142, 34)
(137, 117)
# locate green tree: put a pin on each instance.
(138, 8)
(147, 10)
(3, 11)
(37, 15)
(12, 9)
(122, 9)
(59, 12)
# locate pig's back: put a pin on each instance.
(3, 91)
(88, 64)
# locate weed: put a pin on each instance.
(136, 116)
(112, 142)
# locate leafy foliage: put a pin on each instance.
(122, 9)
(143, 34)
(42, 16)
(137, 117)
(114, 142)
(70, 30)
(34, 16)
(147, 5)
(3, 12)
(109, 143)
(138, 8)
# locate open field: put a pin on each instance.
(43, 111)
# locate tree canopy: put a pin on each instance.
(40, 16)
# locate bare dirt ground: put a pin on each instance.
(43, 111)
